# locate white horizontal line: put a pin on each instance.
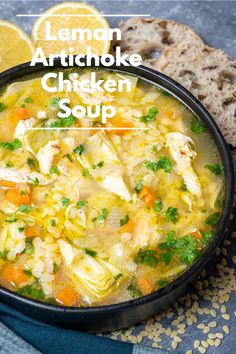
(87, 128)
(83, 15)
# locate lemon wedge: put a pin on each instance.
(69, 16)
(16, 47)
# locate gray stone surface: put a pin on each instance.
(215, 21)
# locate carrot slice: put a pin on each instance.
(147, 196)
(14, 275)
(197, 234)
(67, 296)
(31, 231)
(8, 184)
(129, 227)
(145, 286)
(19, 113)
(118, 122)
(16, 197)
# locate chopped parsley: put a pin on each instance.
(172, 214)
(125, 220)
(158, 205)
(150, 116)
(35, 181)
(14, 145)
(28, 100)
(29, 248)
(25, 208)
(118, 276)
(184, 187)
(53, 222)
(2, 107)
(134, 290)
(161, 282)
(54, 170)
(21, 229)
(217, 169)
(81, 203)
(85, 172)
(197, 126)
(213, 219)
(139, 186)
(98, 165)
(185, 248)
(102, 217)
(90, 252)
(55, 102)
(155, 148)
(63, 122)
(32, 291)
(163, 163)
(11, 219)
(145, 256)
(3, 255)
(55, 268)
(32, 163)
(206, 237)
(65, 201)
(79, 149)
(68, 156)
(9, 164)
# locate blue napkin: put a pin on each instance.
(52, 340)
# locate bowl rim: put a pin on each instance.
(201, 112)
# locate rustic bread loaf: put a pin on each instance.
(208, 73)
(145, 35)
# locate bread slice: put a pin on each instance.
(147, 35)
(210, 74)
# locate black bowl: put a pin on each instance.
(106, 318)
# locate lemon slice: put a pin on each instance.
(16, 47)
(71, 20)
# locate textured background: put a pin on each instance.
(204, 320)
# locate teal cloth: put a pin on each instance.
(52, 340)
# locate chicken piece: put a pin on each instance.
(21, 176)
(180, 147)
(23, 126)
(46, 154)
(99, 149)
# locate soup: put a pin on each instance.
(103, 214)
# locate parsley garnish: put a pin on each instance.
(98, 165)
(125, 220)
(134, 290)
(139, 186)
(63, 122)
(29, 248)
(158, 205)
(102, 217)
(11, 219)
(25, 208)
(31, 162)
(163, 163)
(206, 237)
(28, 100)
(161, 282)
(197, 126)
(65, 201)
(81, 203)
(172, 214)
(2, 107)
(85, 172)
(90, 252)
(213, 219)
(184, 187)
(9, 164)
(79, 149)
(118, 276)
(53, 222)
(55, 102)
(147, 257)
(14, 145)
(54, 170)
(150, 116)
(217, 169)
